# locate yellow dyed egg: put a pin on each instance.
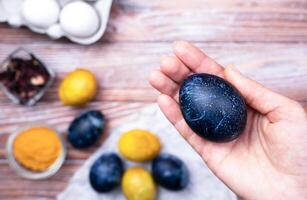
(138, 184)
(78, 88)
(139, 145)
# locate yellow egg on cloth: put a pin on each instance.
(139, 145)
(138, 184)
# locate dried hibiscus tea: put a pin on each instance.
(24, 78)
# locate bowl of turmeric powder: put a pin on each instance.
(36, 152)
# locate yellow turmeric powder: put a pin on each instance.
(37, 148)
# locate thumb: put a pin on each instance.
(256, 95)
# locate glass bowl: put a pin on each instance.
(27, 173)
(23, 53)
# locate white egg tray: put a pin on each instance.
(12, 12)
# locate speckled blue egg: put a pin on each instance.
(106, 172)
(170, 172)
(86, 129)
(212, 107)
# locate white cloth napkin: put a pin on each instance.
(203, 184)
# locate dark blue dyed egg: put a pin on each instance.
(86, 129)
(212, 107)
(106, 172)
(170, 172)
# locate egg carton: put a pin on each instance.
(15, 13)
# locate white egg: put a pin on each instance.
(55, 31)
(15, 21)
(79, 19)
(40, 13)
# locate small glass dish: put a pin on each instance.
(30, 174)
(25, 54)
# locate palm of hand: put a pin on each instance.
(261, 162)
(266, 159)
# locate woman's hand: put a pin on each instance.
(269, 159)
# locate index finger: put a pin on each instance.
(196, 59)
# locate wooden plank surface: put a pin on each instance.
(199, 20)
(266, 40)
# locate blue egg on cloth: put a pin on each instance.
(86, 129)
(170, 172)
(106, 172)
(212, 107)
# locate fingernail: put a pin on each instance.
(233, 68)
(163, 61)
(163, 57)
(179, 46)
(177, 42)
(152, 76)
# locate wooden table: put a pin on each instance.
(266, 40)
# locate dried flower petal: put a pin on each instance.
(24, 77)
